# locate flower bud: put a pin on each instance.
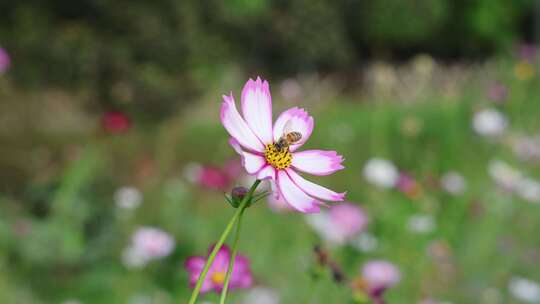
(237, 195)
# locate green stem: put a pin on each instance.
(232, 259)
(220, 242)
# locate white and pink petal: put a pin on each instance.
(294, 196)
(257, 108)
(315, 190)
(267, 172)
(317, 162)
(253, 163)
(237, 127)
(298, 120)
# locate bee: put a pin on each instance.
(288, 138)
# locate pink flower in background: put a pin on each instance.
(115, 122)
(241, 276)
(264, 155)
(340, 224)
(497, 92)
(5, 60)
(380, 275)
(527, 52)
(349, 219)
(408, 185)
(147, 244)
(212, 177)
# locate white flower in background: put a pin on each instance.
(381, 172)
(261, 295)
(147, 244)
(365, 242)
(453, 183)
(72, 301)
(133, 259)
(526, 148)
(421, 223)
(489, 122)
(128, 198)
(528, 189)
(504, 175)
(524, 289)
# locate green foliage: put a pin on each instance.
(156, 55)
(398, 23)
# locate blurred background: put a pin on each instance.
(110, 141)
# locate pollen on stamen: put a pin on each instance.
(278, 159)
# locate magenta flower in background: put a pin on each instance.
(5, 60)
(408, 185)
(212, 177)
(256, 139)
(241, 276)
(115, 122)
(379, 276)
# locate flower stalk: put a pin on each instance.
(232, 259)
(237, 215)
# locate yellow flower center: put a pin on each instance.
(278, 159)
(218, 278)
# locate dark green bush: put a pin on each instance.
(157, 54)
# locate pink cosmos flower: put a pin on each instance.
(407, 185)
(241, 276)
(254, 137)
(349, 219)
(380, 275)
(340, 224)
(212, 177)
(116, 122)
(147, 244)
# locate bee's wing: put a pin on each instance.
(287, 128)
